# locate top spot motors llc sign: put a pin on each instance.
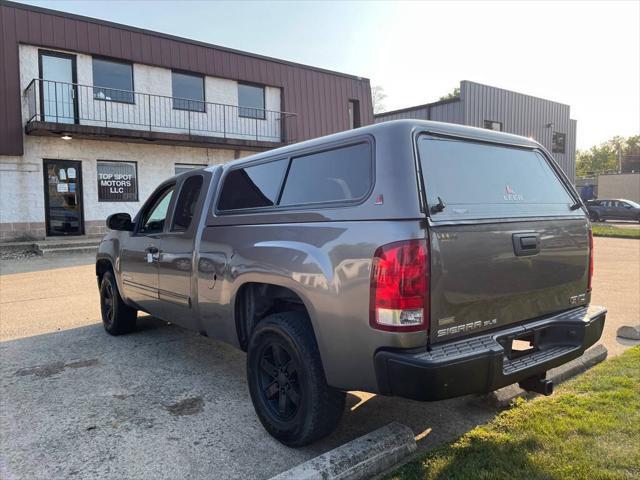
(117, 181)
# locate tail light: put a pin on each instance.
(400, 287)
(590, 260)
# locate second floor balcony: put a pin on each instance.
(85, 111)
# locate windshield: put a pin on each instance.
(632, 203)
(470, 180)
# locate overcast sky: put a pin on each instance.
(585, 54)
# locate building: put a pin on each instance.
(619, 185)
(483, 106)
(93, 115)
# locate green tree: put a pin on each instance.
(603, 158)
(452, 95)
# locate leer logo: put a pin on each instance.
(511, 195)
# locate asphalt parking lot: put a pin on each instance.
(167, 403)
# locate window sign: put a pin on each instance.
(117, 181)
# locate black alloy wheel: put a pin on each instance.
(117, 317)
(279, 380)
(287, 383)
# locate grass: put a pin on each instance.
(589, 429)
(600, 230)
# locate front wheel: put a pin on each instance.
(117, 317)
(287, 383)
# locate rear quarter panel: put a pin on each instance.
(328, 266)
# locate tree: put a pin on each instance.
(452, 95)
(603, 158)
(377, 98)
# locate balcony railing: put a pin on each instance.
(70, 103)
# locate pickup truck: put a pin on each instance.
(415, 259)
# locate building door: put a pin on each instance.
(58, 94)
(63, 197)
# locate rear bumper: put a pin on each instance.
(484, 363)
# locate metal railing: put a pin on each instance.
(61, 102)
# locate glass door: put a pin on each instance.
(63, 197)
(58, 99)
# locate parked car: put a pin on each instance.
(410, 258)
(620, 209)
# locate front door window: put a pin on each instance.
(154, 218)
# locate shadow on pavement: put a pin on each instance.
(165, 402)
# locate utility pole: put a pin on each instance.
(619, 152)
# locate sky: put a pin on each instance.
(585, 54)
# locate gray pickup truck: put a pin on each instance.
(410, 258)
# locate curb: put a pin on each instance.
(502, 398)
(363, 457)
(629, 332)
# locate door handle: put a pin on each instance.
(153, 254)
(525, 244)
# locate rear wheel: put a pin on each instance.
(287, 383)
(594, 217)
(117, 317)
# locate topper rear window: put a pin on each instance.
(472, 180)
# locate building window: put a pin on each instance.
(112, 81)
(493, 125)
(251, 101)
(558, 143)
(187, 91)
(117, 181)
(186, 167)
(354, 114)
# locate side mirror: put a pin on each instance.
(120, 221)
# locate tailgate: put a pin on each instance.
(508, 241)
(479, 281)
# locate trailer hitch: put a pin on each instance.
(537, 383)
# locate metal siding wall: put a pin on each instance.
(419, 113)
(319, 98)
(10, 98)
(571, 150)
(448, 112)
(523, 115)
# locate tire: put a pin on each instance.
(594, 217)
(117, 317)
(287, 383)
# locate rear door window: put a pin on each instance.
(477, 180)
(186, 204)
(337, 175)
